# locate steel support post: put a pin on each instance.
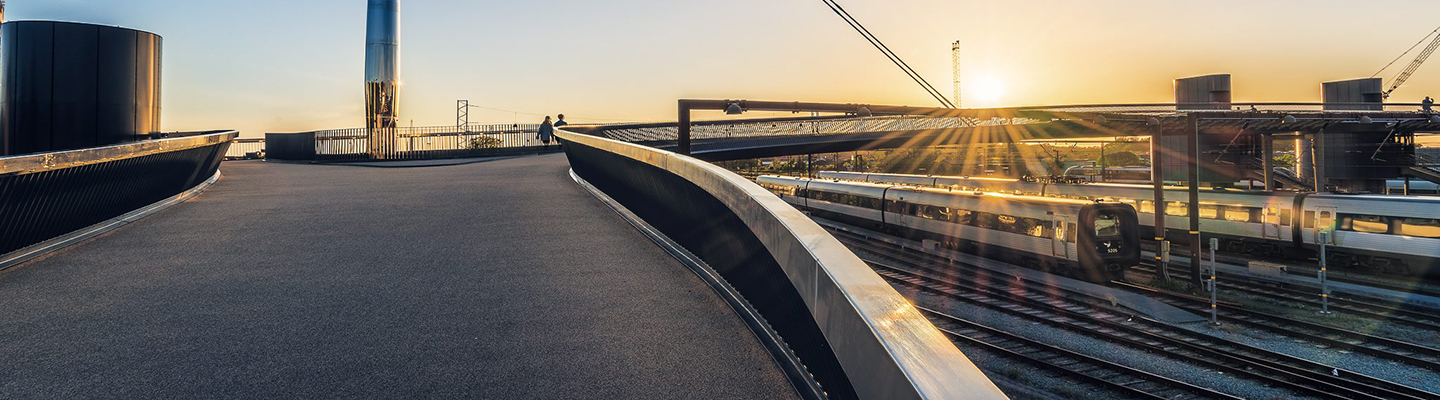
(1267, 161)
(682, 141)
(1192, 162)
(1162, 250)
(1214, 284)
(1324, 239)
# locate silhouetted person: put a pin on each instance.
(546, 131)
(1427, 104)
(560, 121)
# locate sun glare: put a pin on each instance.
(988, 90)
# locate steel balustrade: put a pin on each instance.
(46, 195)
(852, 330)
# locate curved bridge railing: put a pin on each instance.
(47, 195)
(852, 331)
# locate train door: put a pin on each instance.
(1058, 240)
(1270, 224)
(1325, 222)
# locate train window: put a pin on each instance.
(1420, 227)
(1146, 207)
(1177, 209)
(1035, 227)
(1060, 233)
(963, 217)
(1326, 220)
(1107, 225)
(1008, 224)
(1284, 217)
(986, 220)
(935, 213)
(1070, 232)
(894, 207)
(1363, 223)
(1309, 220)
(1239, 214)
(1209, 212)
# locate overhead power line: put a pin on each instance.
(894, 58)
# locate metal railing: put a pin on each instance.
(46, 195)
(248, 148)
(856, 336)
(702, 130)
(405, 143)
(962, 118)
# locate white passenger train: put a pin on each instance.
(1089, 240)
(1375, 233)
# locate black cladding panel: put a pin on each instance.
(70, 85)
(74, 99)
(34, 58)
(117, 97)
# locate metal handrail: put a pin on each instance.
(889, 350)
(35, 163)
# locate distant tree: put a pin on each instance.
(1285, 160)
(1123, 159)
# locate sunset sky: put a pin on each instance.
(270, 65)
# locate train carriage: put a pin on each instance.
(1090, 240)
(1399, 235)
(1374, 233)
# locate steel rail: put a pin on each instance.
(1077, 365)
(1357, 308)
(1391, 349)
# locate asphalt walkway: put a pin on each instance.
(501, 279)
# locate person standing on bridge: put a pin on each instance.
(560, 121)
(546, 131)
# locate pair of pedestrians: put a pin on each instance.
(547, 129)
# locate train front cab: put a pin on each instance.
(1109, 241)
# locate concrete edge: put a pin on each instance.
(793, 368)
(18, 257)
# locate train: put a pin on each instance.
(1375, 234)
(1094, 241)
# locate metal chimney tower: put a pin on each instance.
(382, 73)
(955, 63)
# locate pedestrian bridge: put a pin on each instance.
(504, 278)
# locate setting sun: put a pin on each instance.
(987, 91)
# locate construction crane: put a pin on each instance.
(1404, 74)
(955, 66)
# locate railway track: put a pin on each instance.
(1114, 377)
(1043, 305)
(1309, 268)
(1391, 349)
(1359, 308)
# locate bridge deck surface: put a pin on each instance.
(500, 279)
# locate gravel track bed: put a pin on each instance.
(1119, 354)
(1393, 371)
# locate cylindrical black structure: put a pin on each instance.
(66, 85)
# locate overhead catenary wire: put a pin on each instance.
(894, 58)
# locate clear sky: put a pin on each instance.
(270, 65)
